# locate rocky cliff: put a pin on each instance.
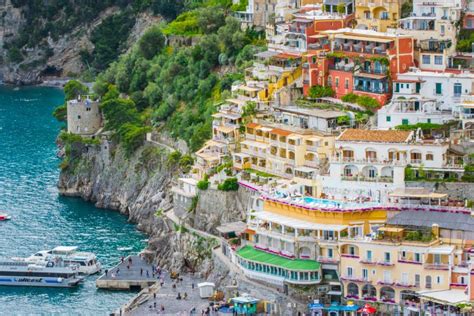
(139, 187)
(54, 57)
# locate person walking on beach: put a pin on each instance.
(106, 272)
(130, 260)
(141, 271)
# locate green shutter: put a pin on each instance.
(438, 88)
(397, 87)
(389, 118)
(405, 122)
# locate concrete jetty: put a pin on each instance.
(128, 275)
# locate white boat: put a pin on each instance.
(86, 261)
(42, 274)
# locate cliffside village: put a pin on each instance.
(346, 205)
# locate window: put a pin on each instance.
(387, 277)
(387, 257)
(329, 81)
(337, 82)
(417, 257)
(352, 251)
(426, 59)
(417, 280)
(346, 84)
(462, 280)
(349, 271)
(388, 118)
(330, 253)
(439, 88)
(404, 121)
(457, 89)
(404, 254)
(439, 279)
(384, 15)
(404, 278)
(429, 157)
(365, 274)
(369, 255)
(438, 60)
(428, 282)
(397, 87)
(428, 120)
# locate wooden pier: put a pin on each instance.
(128, 275)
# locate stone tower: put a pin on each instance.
(83, 116)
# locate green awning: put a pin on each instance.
(251, 254)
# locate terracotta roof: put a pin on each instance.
(253, 125)
(280, 132)
(287, 56)
(377, 136)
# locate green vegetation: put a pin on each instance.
(229, 184)
(109, 39)
(469, 170)
(178, 88)
(72, 90)
(260, 173)
(420, 174)
(465, 40)
(423, 126)
(407, 8)
(203, 184)
(419, 236)
(316, 92)
(366, 102)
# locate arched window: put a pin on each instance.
(428, 282)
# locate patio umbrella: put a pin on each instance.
(367, 309)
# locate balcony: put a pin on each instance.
(353, 278)
(348, 255)
(436, 266)
(404, 284)
(329, 260)
(385, 263)
(370, 90)
(368, 261)
(408, 261)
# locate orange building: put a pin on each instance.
(362, 62)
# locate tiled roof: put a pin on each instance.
(253, 125)
(376, 136)
(280, 132)
(252, 254)
(454, 221)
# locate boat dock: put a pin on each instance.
(128, 275)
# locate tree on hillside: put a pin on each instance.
(151, 42)
(73, 89)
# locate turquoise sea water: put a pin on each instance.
(41, 218)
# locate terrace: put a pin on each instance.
(360, 44)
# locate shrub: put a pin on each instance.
(350, 97)
(73, 89)
(230, 184)
(320, 92)
(203, 185)
(368, 102)
(151, 42)
(60, 113)
(174, 158)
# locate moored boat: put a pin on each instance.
(40, 274)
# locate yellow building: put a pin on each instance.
(378, 15)
(411, 257)
(281, 151)
(304, 229)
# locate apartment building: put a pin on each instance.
(281, 150)
(282, 229)
(359, 61)
(377, 15)
(416, 254)
(433, 25)
(370, 164)
(425, 97)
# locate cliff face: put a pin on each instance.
(139, 187)
(64, 54)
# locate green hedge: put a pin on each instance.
(230, 184)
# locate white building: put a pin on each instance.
(433, 25)
(424, 97)
(371, 163)
(315, 119)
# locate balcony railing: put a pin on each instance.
(323, 259)
(367, 261)
(436, 266)
(370, 90)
